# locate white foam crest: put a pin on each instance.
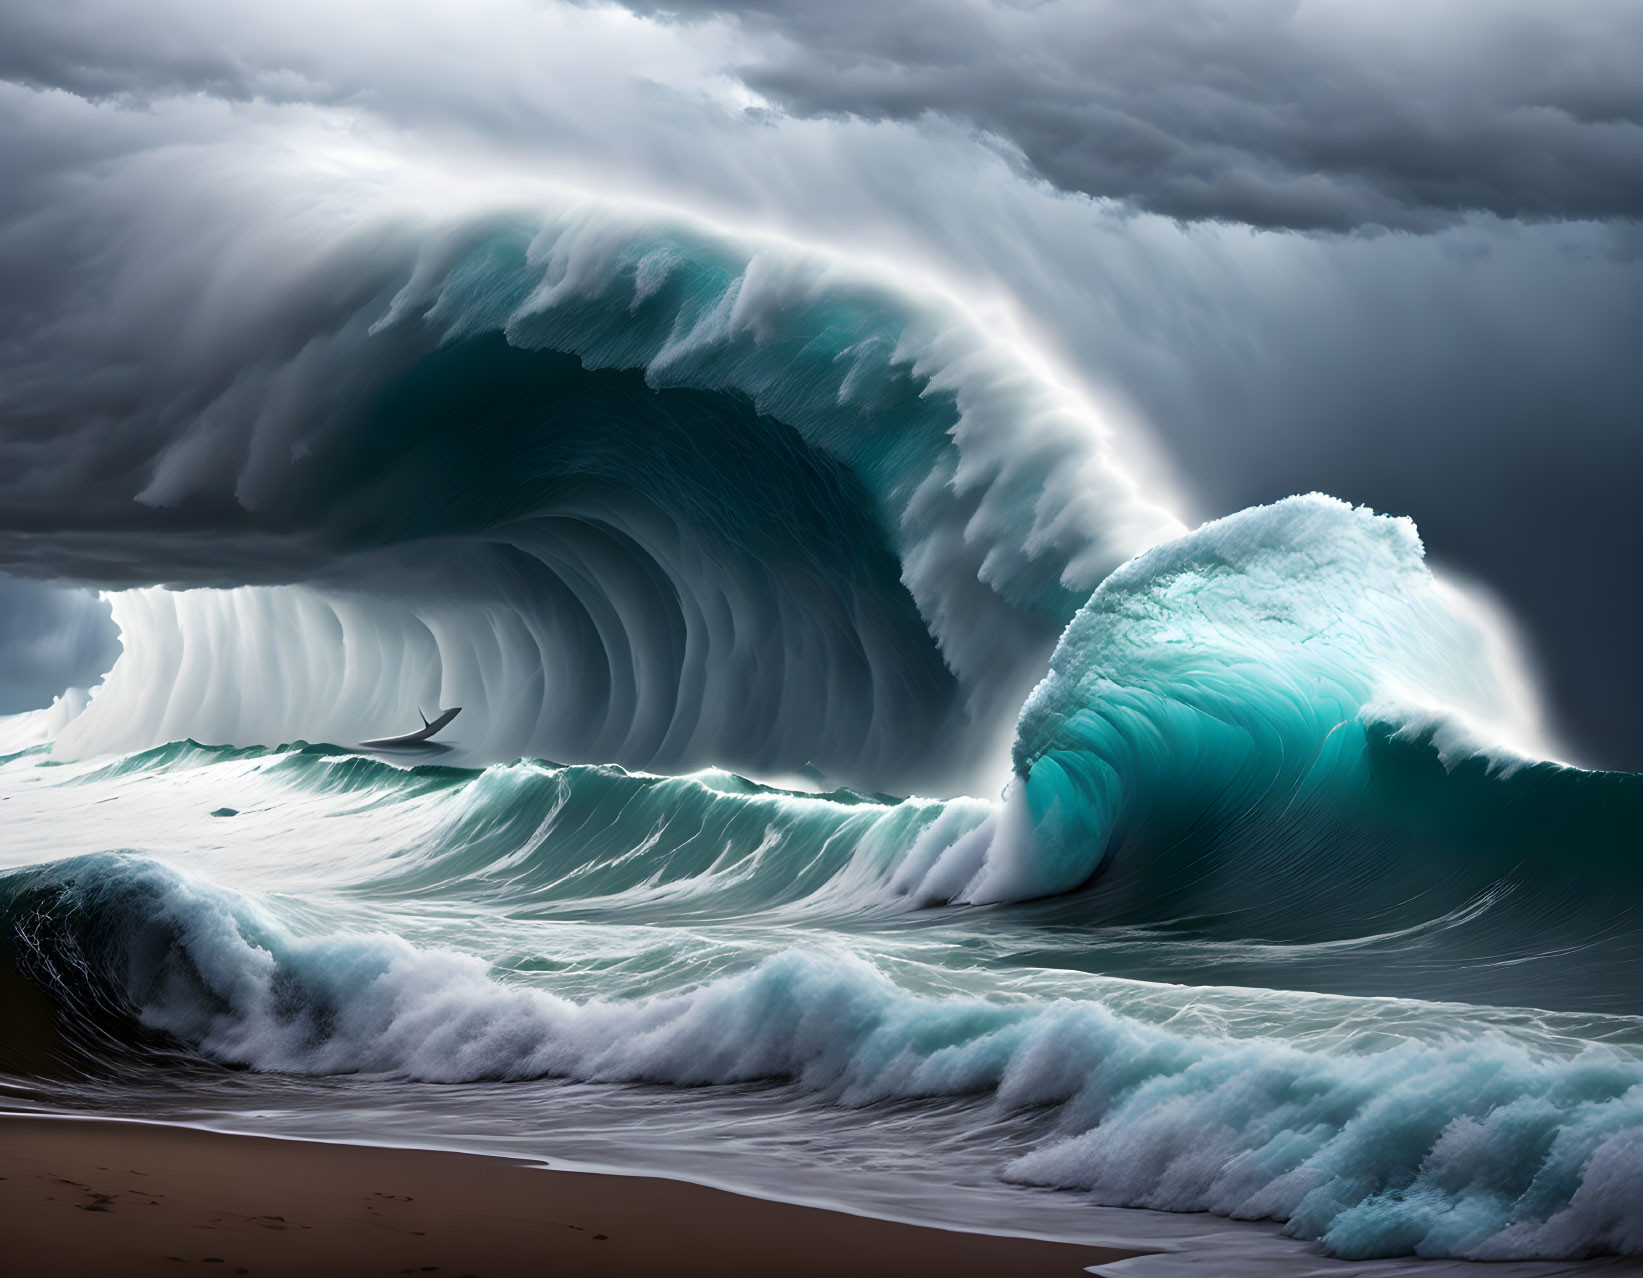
(1479, 1144)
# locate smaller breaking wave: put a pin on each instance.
(1228, 682)
(1480, 1142)
(574, 840)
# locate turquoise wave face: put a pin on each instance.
(1245, 685)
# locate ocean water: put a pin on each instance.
(939, 827)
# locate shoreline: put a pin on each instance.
(97, 1196)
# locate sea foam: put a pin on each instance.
(1477, 1143)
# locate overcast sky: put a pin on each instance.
(1386, 249)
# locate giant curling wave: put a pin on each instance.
(627, 493)
(634, 493)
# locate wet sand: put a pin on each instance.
(92, 1197)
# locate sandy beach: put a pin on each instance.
(97, 1197)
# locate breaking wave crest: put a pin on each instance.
(1484, 1142)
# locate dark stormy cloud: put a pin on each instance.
(1274, 113)
(1390, 251)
